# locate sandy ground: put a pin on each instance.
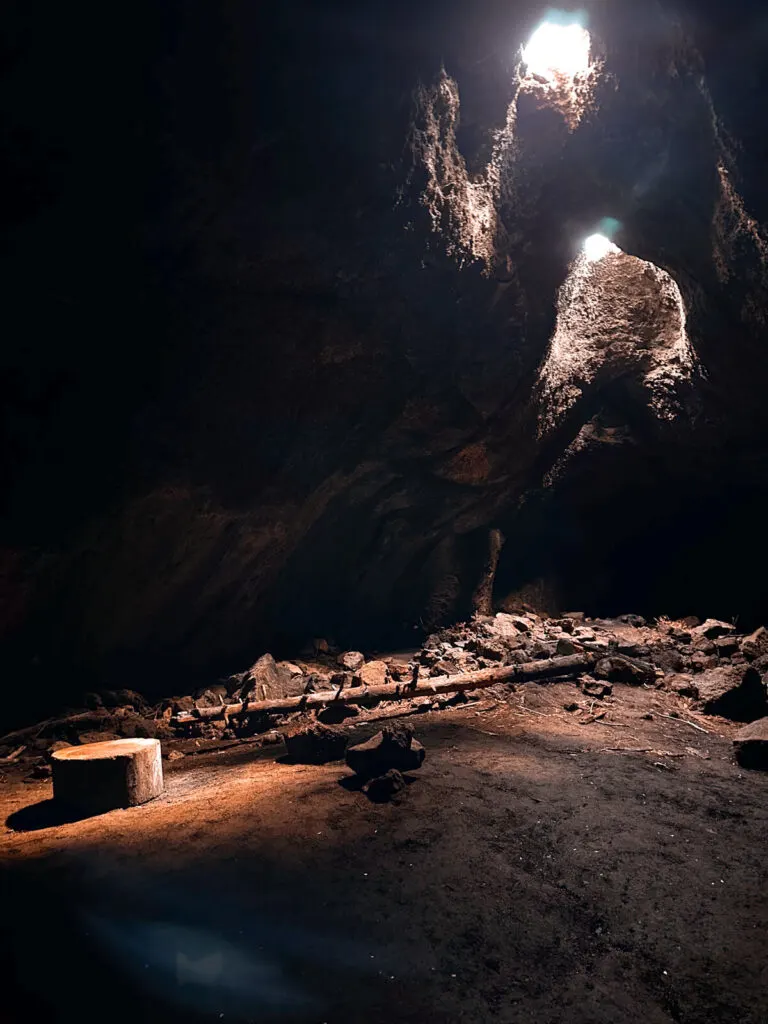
(530, 872)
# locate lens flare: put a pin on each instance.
(598, 246)
(557, 49)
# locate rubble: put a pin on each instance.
(709, 664)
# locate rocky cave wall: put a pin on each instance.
(251, 395)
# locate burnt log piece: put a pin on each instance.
(98, 777)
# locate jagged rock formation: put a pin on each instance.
(252, 395)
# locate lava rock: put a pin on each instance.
(681, 684)
(393, 747)
(315, 744)
(265, 678)
(632, 620)
(700, 662)
(352, 661)
(713, 628)
(756, 644)
(668, 659)
(619, 669)
(595, 687)
(384, 787)
(751, 745)
(334, 714)
(733, 692)
(209, 699)
(725, 646)
(565, 647)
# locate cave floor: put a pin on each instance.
(530, 872)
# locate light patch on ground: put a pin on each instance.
(617, 316)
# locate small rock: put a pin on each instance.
(565, 647)
(575, 616)
(690, 621)
(321, 646)
(352, 661)
(713, 628)
(751, 745)
(680, 636)
(316, 683)
(572, 706)
(595, 687)
(632, 620)
(174, 755)
(182, 704)
(565, 624)
(725, 646)
(620, 669)
(756, 644)
(700, 662)
(41, 771)
(680, 684)
(384, 787)
(315, 744)
(393, 747)
(400, 672)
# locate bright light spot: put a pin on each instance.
(597, 246)
(557, 49)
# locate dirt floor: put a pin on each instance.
(535, 869)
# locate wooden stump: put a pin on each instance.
(98, 777)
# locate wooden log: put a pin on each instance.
(572, 665)
(98, 777)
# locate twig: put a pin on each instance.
(684, 721)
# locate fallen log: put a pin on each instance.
(574, 664)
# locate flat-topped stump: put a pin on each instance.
(99, 777)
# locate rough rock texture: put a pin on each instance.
(255, 390)
(751, 745)
(393, 747)
(732, 691)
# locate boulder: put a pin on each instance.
(751, 745)
(733, 692)
(393, 747)
(266, 679)
(315, 744)
(352, 661)
(713, 628)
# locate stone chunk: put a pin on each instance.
(733, 692)
(756, 644)
(352, 661)
(713, 628)
(393, 747)
(751, 745)
(384, 787)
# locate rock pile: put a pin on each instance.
(721, 671)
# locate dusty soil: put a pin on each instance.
(532, 871)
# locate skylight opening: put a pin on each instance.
(557, 50)
(596, 247)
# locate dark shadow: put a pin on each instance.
(44, 814)
(355, 783)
